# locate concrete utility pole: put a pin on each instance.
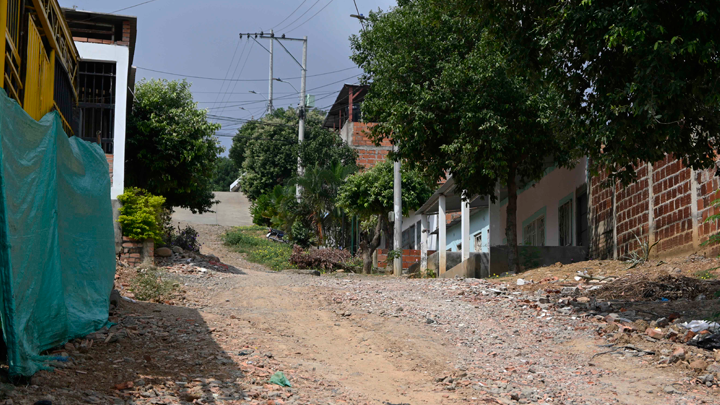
(270, 84)
(303, 67)
(397, 203)
(301, 125)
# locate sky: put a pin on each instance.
(200, 38)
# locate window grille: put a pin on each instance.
(534, 233)
(97, 103)
(565, 224)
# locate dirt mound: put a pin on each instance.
(656, 287)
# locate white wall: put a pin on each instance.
(121, 56)
(413, 220)
(479, 223)
(547, 193)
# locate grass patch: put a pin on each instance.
(251, 241)
(706, 275)
(152, 284)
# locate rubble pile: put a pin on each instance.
(187, 262)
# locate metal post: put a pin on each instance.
(423, 244)
(270, 85)
(465, 227)
(397, 194)
(301, 126)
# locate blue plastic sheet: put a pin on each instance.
(57, 251)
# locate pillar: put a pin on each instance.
(465, 227)
(442, 237)
(423, 244)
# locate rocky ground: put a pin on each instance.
(348, 339)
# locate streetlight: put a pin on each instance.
(259, 94)
(277, 79)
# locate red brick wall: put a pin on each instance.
(132, 251)
(368, 158)
(633, 217)
(368, 154)
(110, 163)
(410, 257)
(125, 41)
(671, 223)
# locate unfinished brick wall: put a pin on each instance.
(410, 257)
(657, 208)
(368, 154)
(124, 41)
(110, 161)
(134, 251)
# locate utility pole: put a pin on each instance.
(397, 203)
(303, 67)
(270, 85)
(301, 124)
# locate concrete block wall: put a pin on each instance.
(667, 204)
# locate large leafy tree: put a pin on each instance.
(642, 77)
(266, 150)
(171, 150)
(452, 102)
(369, 195)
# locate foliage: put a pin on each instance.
(714, 238)
(187, 239)
(706, 274)
(266, 150)
(369, 195)
(251, 241)
(394, 254)
(170, 147)
(634, 73)
(225, 174)
(280, 209)
(635, 259)
(452, 102)
(140, 214)
(300, 234)
(152, 284)
(320, 259)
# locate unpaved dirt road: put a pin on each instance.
(347, 339)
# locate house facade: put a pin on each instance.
(106, 79)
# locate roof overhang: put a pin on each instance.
(339, 110)
(453, 200)
(105, 18)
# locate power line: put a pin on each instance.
(136, 5)
(311, 17)
(241, 69)
(301, 16)
(298, 8)
(230, 67)
(240, 80)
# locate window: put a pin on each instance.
(534, 232)
(97, 103)
(565, 223)
(478, 242)
(408, 238)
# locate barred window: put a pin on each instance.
(534, 233)
(565, 224)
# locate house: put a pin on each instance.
(106, 78)
(40, 60)
(352, 129)
(552, 225)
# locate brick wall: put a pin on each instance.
(659, 207)
(124, 41)
(410, 257)
(368, 154)
(110, 163)
(133, 251)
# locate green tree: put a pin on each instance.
(266, 150)
(369, 195)
(447, 94)
(225, 174)
(171, 150)
(642, 77)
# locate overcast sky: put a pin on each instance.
(199, 38)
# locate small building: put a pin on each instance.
(106, 79)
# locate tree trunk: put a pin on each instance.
(511, 221)
(369, 246)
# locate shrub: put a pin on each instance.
(251, 240)
(321, 259)
(187, 239)
(301, 234)
(140, 214)
(151, 284)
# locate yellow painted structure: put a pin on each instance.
(48, 42)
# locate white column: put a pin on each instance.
(465, 228)
(442, 237)
(423, 244)
(397, 203)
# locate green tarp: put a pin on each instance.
(57, 251)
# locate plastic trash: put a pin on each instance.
(280, 379)
(664, 299)
(711, 342)
(521, 282)
(699, 326)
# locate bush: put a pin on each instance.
(251, 240)
(140, 214)
(321, 259)
(186, 239)
(301, 234)
(151, 284)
